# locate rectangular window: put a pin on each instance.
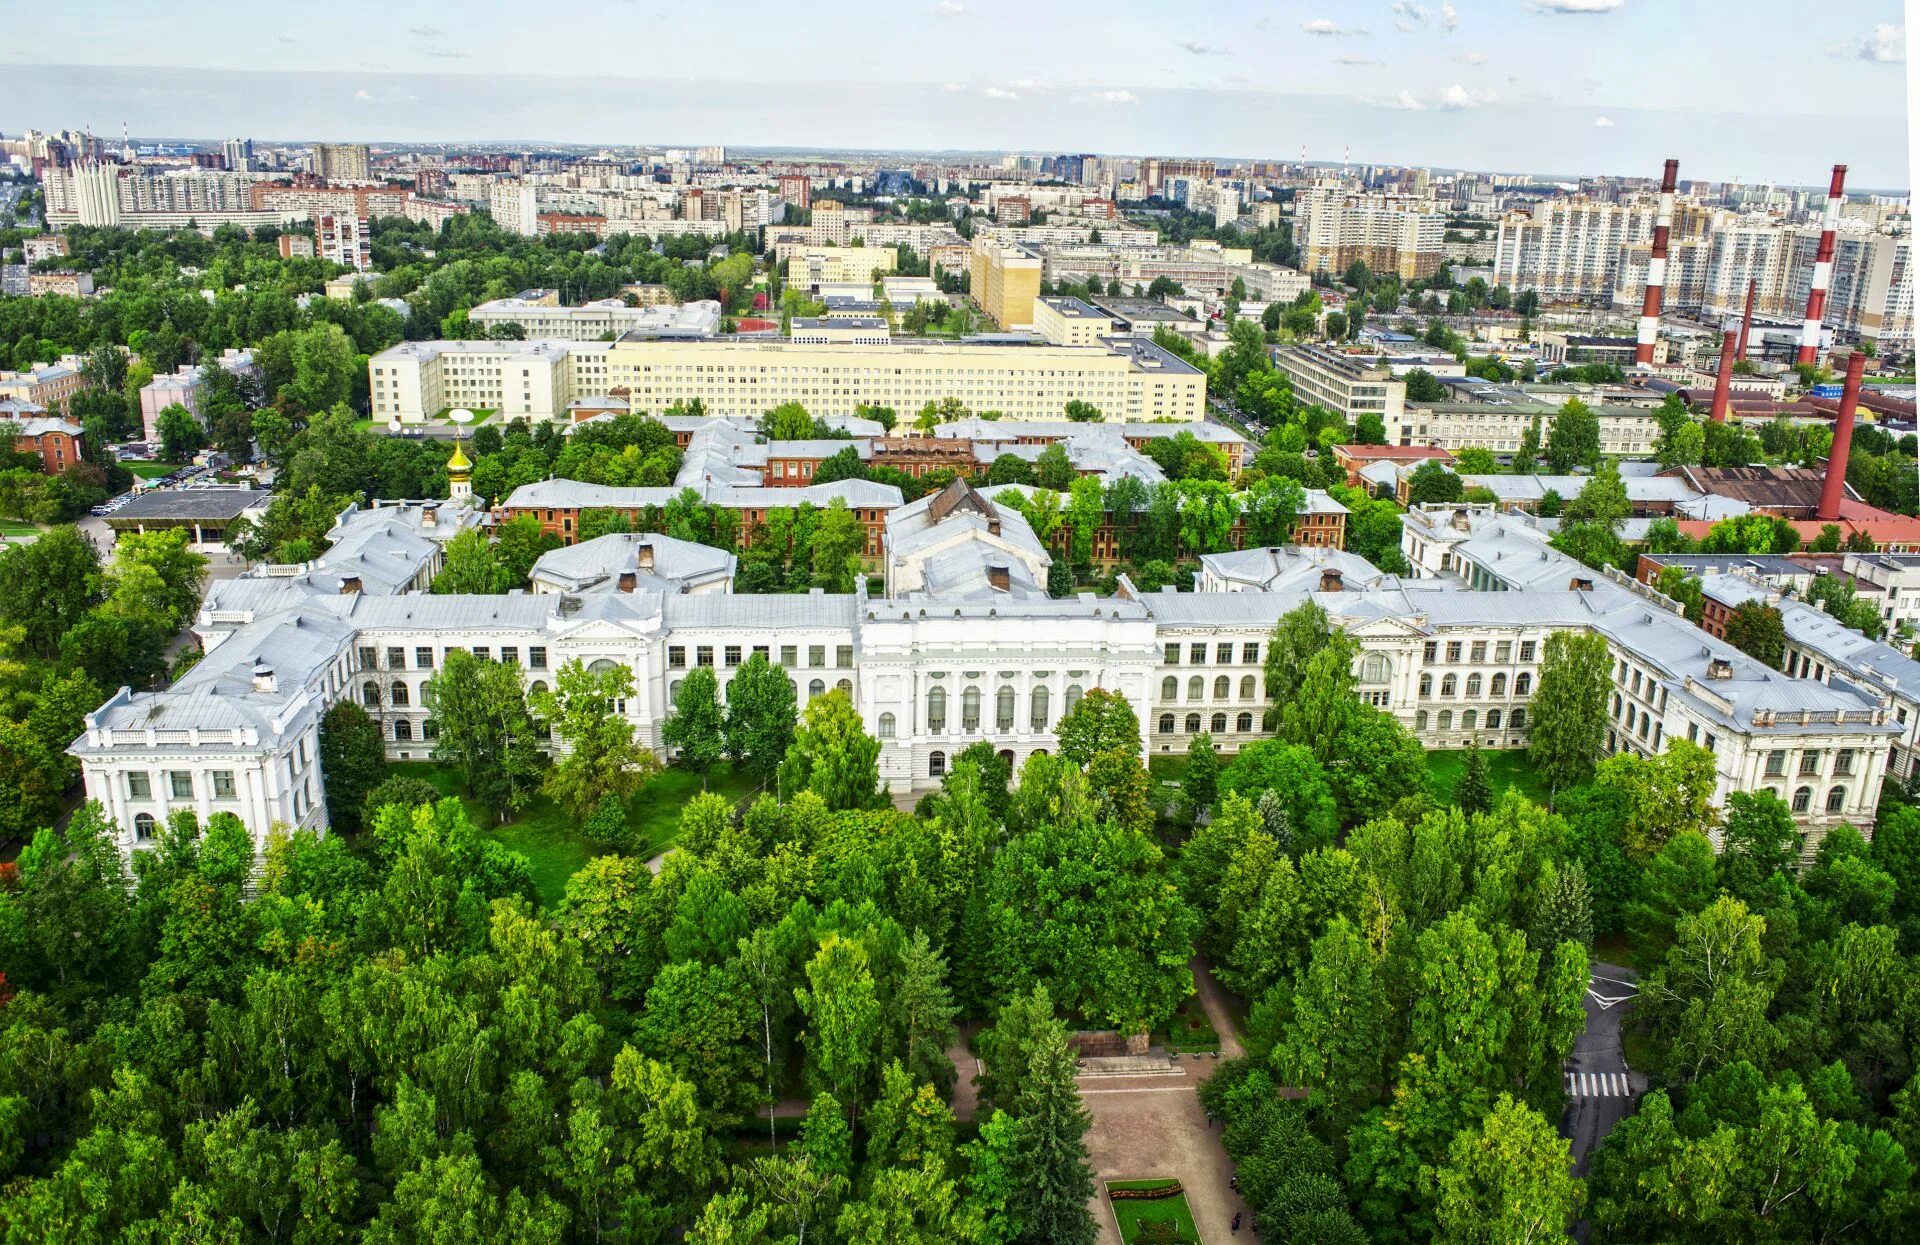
(1223, 654)
(843, 656)
(223, 784)
(732, 655)
(1776, 764)
(1250, 654)
(509, 656)
(536, 659)
(789, 655)
(1810, 762)
(396, 659)
(676, 657)
(760, 650)
(180, 782)
(1478, 652)
(816, 655)
(703, 655)
(1503, 651)
(1526, 650)
(1453, 653)
(1429, 652)
(423, 658)
(1173, 654)
(369, 658)
(483, 652)
(1197, 654)
(1843, 762)
(138, 788)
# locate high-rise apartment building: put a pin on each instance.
(237, 155)
(344, 239)
(340, 162)
(515, 207)
(1336, 228)
(1005, 281)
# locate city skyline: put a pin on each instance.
(1606, 86)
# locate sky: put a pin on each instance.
(1762, 90)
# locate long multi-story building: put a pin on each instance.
(812, 266)
(1129, 380)
(1349, 387)
(540, 317)
(968, 651)
(1337, 228)
(339, 162)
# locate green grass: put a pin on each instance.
(1132, 1213)
(151, 471)
(10, 528)
(481, 414)
(549, 837)
(1167, 766)
(1189, 1030)
(1505, 769)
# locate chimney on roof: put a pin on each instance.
(263, 677)
(349, 585)
(1835, 487)
(628, 581)
(1723, 379)
(993, 525)
(1822, 269)
(1719, 668)
(430, 516)
(643, 556)
(1580, 584)
(1657, 267)
(998, 577)
(1332, 580)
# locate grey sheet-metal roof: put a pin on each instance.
(809, 610)
(185, 505)
(598, 563)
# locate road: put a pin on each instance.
(1601, 1089)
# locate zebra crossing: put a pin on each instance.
(1598, 1085)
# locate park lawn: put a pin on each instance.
(9, 527)
(1169, 766)
(655, 811)
(150, 471)
(1131, 1213)
(1505, 769)
(481, 414)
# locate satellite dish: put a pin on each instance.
(460, 416)
(393, 425)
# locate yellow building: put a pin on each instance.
(1006, 280)
(808, 266)
(1069, 322)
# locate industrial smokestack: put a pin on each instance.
(1746, 321)
(1723, 379)
(1835, 486)
(1822, 269)
(1657, 267)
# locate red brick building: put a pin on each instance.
(54, 440)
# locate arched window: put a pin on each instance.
(1073, 698)
(1473, 687)
(1193, 724)
(1446, 719)
(430, 729)
(403, 731)
(937, 710)
(1247, 688)
(1196, 688)
(1426, 685)
(816, 688)
(1003, 708)
(1420, 720)
(1037, 709)
(1499, 685)
(1169, 689)
(1803, 799)
(970, 709)
(1522, 684)
(1243, 723)
(1646, 723)
(673, 691)
(602, 666)
(886, 726)
(1448, 686)
(845, 685)
(1469, 719)
(1219, 726)
(1222, 688)
(1166, 724)
(1375, 668)
(1518, 720)
(1836, 799)
(1616, 704)
(370, 694)
(936, 764)
(1493, 719)
(399, 694)
(143, 826)
(539, 686)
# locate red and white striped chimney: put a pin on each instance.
(1746, 321)
(1822, 269)
(1835, 486)
(1657, 267)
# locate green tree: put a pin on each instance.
(696, 726)
(1574, 439)
(1330, 1045)
(832, 755)
(485, 729)
(1758, 630)
(1297, 636)
(760, 716)
(1569, 708)
(842, 1008)
(471, 567)
(1053, 469)
(1052, 1177)
(1083, 412)
(839, 537)
(353, 757)
(181, 435)
(1431, 482)
(599, 756)
(1201, 784)
(1708, 1000)
(1507, 1179)
(1474, 792)
(1101, 721)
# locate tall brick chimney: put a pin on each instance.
(1723, 379)
(1835, 486)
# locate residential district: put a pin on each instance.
(686, 693)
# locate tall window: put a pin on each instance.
(817, 687)
(1193, 724)
(1221, 688)
(1219, 724)
(1003, 709)
(1073, 697)
(886, 726)
(1803, 799)
(1426, 686)
(970, 710)
(1166, 724)
(936, 764)
(1473, 687)
(1196, 688)
(370, 694)
(937, 710)
(1446, 719)
(1493, 719)
(1448, 686)
(1245, 723)
(1522, 684)
(401, 698)
(1247, 686)
(1169, 688)
(1037, 714)
(1499, 685)
(1375, 668)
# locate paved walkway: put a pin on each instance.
(1149, 1127)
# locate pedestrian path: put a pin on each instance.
(1598, 1085)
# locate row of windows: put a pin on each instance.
(1216, 725)
(1470, 720)
(1475, 652)
(731, 655)
(424, 657)
(1450, 685)
(1223, 654)
(1005, 709)
(179, 784)
(1196, 687)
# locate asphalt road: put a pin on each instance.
(1601, 1089)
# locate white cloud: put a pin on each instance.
(1457, 96)
(1406, 100)
(363, 96)
(1328, 27)
(1887, 44)
(994, 92)
(1471, 58)
(1201, 49)
(1408, 15)
(1356, 60)
(947, 8)
(425, 32)
(1574, 6)
(954, 86)
(1603, 123)
(1108, 97)
(1449, 19)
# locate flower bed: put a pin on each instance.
(1141, 1192)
